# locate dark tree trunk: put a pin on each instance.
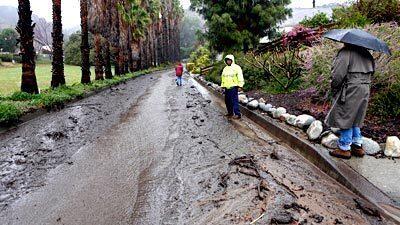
(107, 60)
(58, 59)
(25, 30)
(85, 48)
(98, 58)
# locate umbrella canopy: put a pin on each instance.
(359, 38)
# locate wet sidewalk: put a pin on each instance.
(384, 173)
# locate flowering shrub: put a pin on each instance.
(299, 36)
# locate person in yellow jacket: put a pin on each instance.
(232, 81)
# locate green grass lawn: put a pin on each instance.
(10, 76)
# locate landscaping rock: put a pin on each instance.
(272, 111)
(315, 130)
(243, 99)
(261, 100)
(261, 105)
(370, 146)
(392, 148)
(253, 104)
(284, 117)
(291, 120)
(279, 111)
(330, 141)
(335, 130)
(304, 121)
(265, 107)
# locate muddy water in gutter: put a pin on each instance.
(166, 160)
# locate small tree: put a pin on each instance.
(8, 40)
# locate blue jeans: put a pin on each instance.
(348, 137)
(179, 81)
(232, 101)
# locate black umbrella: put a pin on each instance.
(359, 38)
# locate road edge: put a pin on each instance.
(36, 113)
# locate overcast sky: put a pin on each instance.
(71, 17)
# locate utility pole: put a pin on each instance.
(313, 3)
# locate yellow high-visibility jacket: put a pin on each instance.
(232, 75)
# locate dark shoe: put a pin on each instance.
(340, 154)
(357, 151)
(228, 115)
(237, 117)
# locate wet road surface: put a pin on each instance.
(148, 152)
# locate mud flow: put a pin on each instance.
(149, 152)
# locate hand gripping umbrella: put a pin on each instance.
(359, 38)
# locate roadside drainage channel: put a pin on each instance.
(36, 113)
(320, 157)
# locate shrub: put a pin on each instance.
(319, 19)
(299, 36)
(9, 113)
(379, 11)
(22, 96)
(200, 58)
(10, 58)
(346, 17)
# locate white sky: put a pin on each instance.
(71, 16)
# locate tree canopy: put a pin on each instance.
(8, 40)
(239, 24)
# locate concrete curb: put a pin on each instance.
(36, 113)
(320, 157)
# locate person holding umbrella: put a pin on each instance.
(352, 70)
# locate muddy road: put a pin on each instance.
(149, 152)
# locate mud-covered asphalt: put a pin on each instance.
(149, 152)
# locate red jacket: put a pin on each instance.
(179, 70)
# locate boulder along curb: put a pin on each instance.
(320, 157)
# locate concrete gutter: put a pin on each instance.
(41, 111)
(319, 156)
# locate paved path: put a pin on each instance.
(166, 160)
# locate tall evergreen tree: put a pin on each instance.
(238, 25)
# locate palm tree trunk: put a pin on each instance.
(58, 59)
(85, 49)
(107, 60)
(98, 59)
(25, 30)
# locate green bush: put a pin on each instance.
(386, 103)
(379, 11)
(317, 20)
(22, 96)
(10, 58)
(200, 58)
(9, 113)
(348, 17)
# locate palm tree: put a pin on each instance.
(85, 48)
(58, 59)
(107, 49)
(25, 30)
(98, 57)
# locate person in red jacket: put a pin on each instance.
(179, 73)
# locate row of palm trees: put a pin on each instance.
(128, 34)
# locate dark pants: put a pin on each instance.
(232, 101)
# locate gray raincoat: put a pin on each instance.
(351, 80)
